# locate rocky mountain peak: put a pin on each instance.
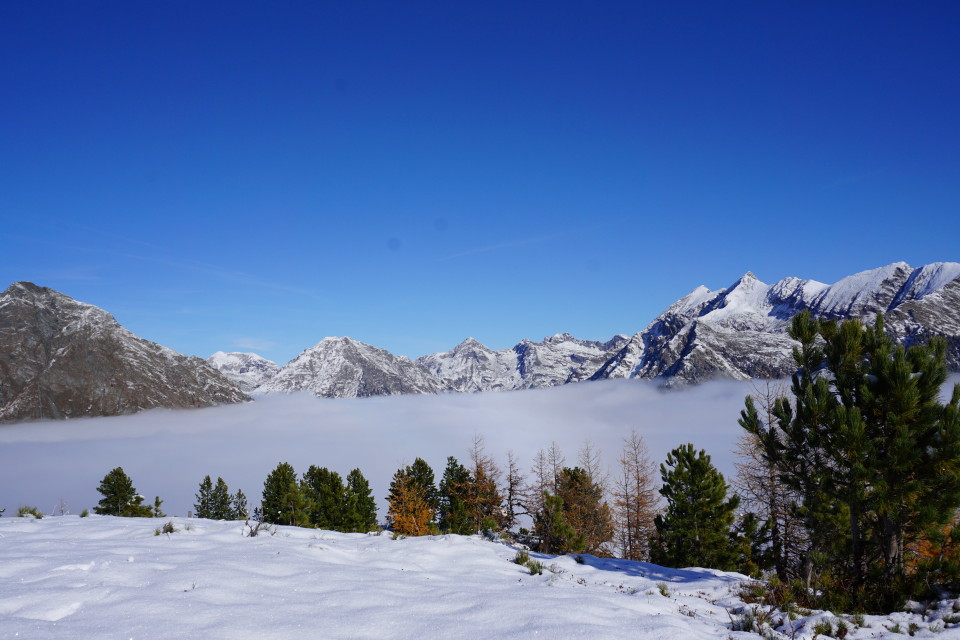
(60, 358)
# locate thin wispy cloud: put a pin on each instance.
(501, 245)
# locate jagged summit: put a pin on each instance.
(340, 367)
(60, 358)
(249, 370)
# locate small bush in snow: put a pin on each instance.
(84, 513)
(521, 558)
(167, 528)
(26, 510)
(535, 566)
(663, 589)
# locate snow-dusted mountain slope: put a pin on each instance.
(346, 368)
(249, 370)
(107, 577)
(471, 366)
(60, 358)
(740, 332)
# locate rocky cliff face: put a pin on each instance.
(346, 368)
(60, 358)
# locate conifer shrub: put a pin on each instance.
(521, 558)
(27, 510)
(84, 513)
(535, 566)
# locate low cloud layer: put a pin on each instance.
(167, 453)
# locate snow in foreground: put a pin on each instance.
(105, 577)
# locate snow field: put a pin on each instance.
(106, 577)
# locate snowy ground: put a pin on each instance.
(105, 577)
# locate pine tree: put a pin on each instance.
(868, 445)
(239, 506)
(327, 496)
(157, 511)
(360, 515)
(453, 490)
(203, 507)
(282, 501)
(585, 510)
(695, 528)
(421, 474)
(550, 526)
(764, 494)
(118, 494)
(221, 508)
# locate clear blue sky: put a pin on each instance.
(256, 176)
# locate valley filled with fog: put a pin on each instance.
(167, 453)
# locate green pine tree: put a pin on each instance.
(282, 501)
(118, 493)
(327, 496)
(239, 506)
(695, 528)
(220, 506)
(454, 488)
(203, 507)
(869, 447)
(550, 526)
(360, 515)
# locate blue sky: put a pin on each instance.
(256, 176)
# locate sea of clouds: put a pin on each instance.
(167, 453)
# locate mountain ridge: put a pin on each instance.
(738, 332)
(61, 358)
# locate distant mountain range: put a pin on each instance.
(739, 332)
(61, 358)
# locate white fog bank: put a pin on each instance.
(167, 453)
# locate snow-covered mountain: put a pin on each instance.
(471, 366)
(249, 370)
(60, 358)
(740, 332)
(346, 368)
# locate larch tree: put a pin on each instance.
(410, 512)
(636, 501)
(483, 500)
